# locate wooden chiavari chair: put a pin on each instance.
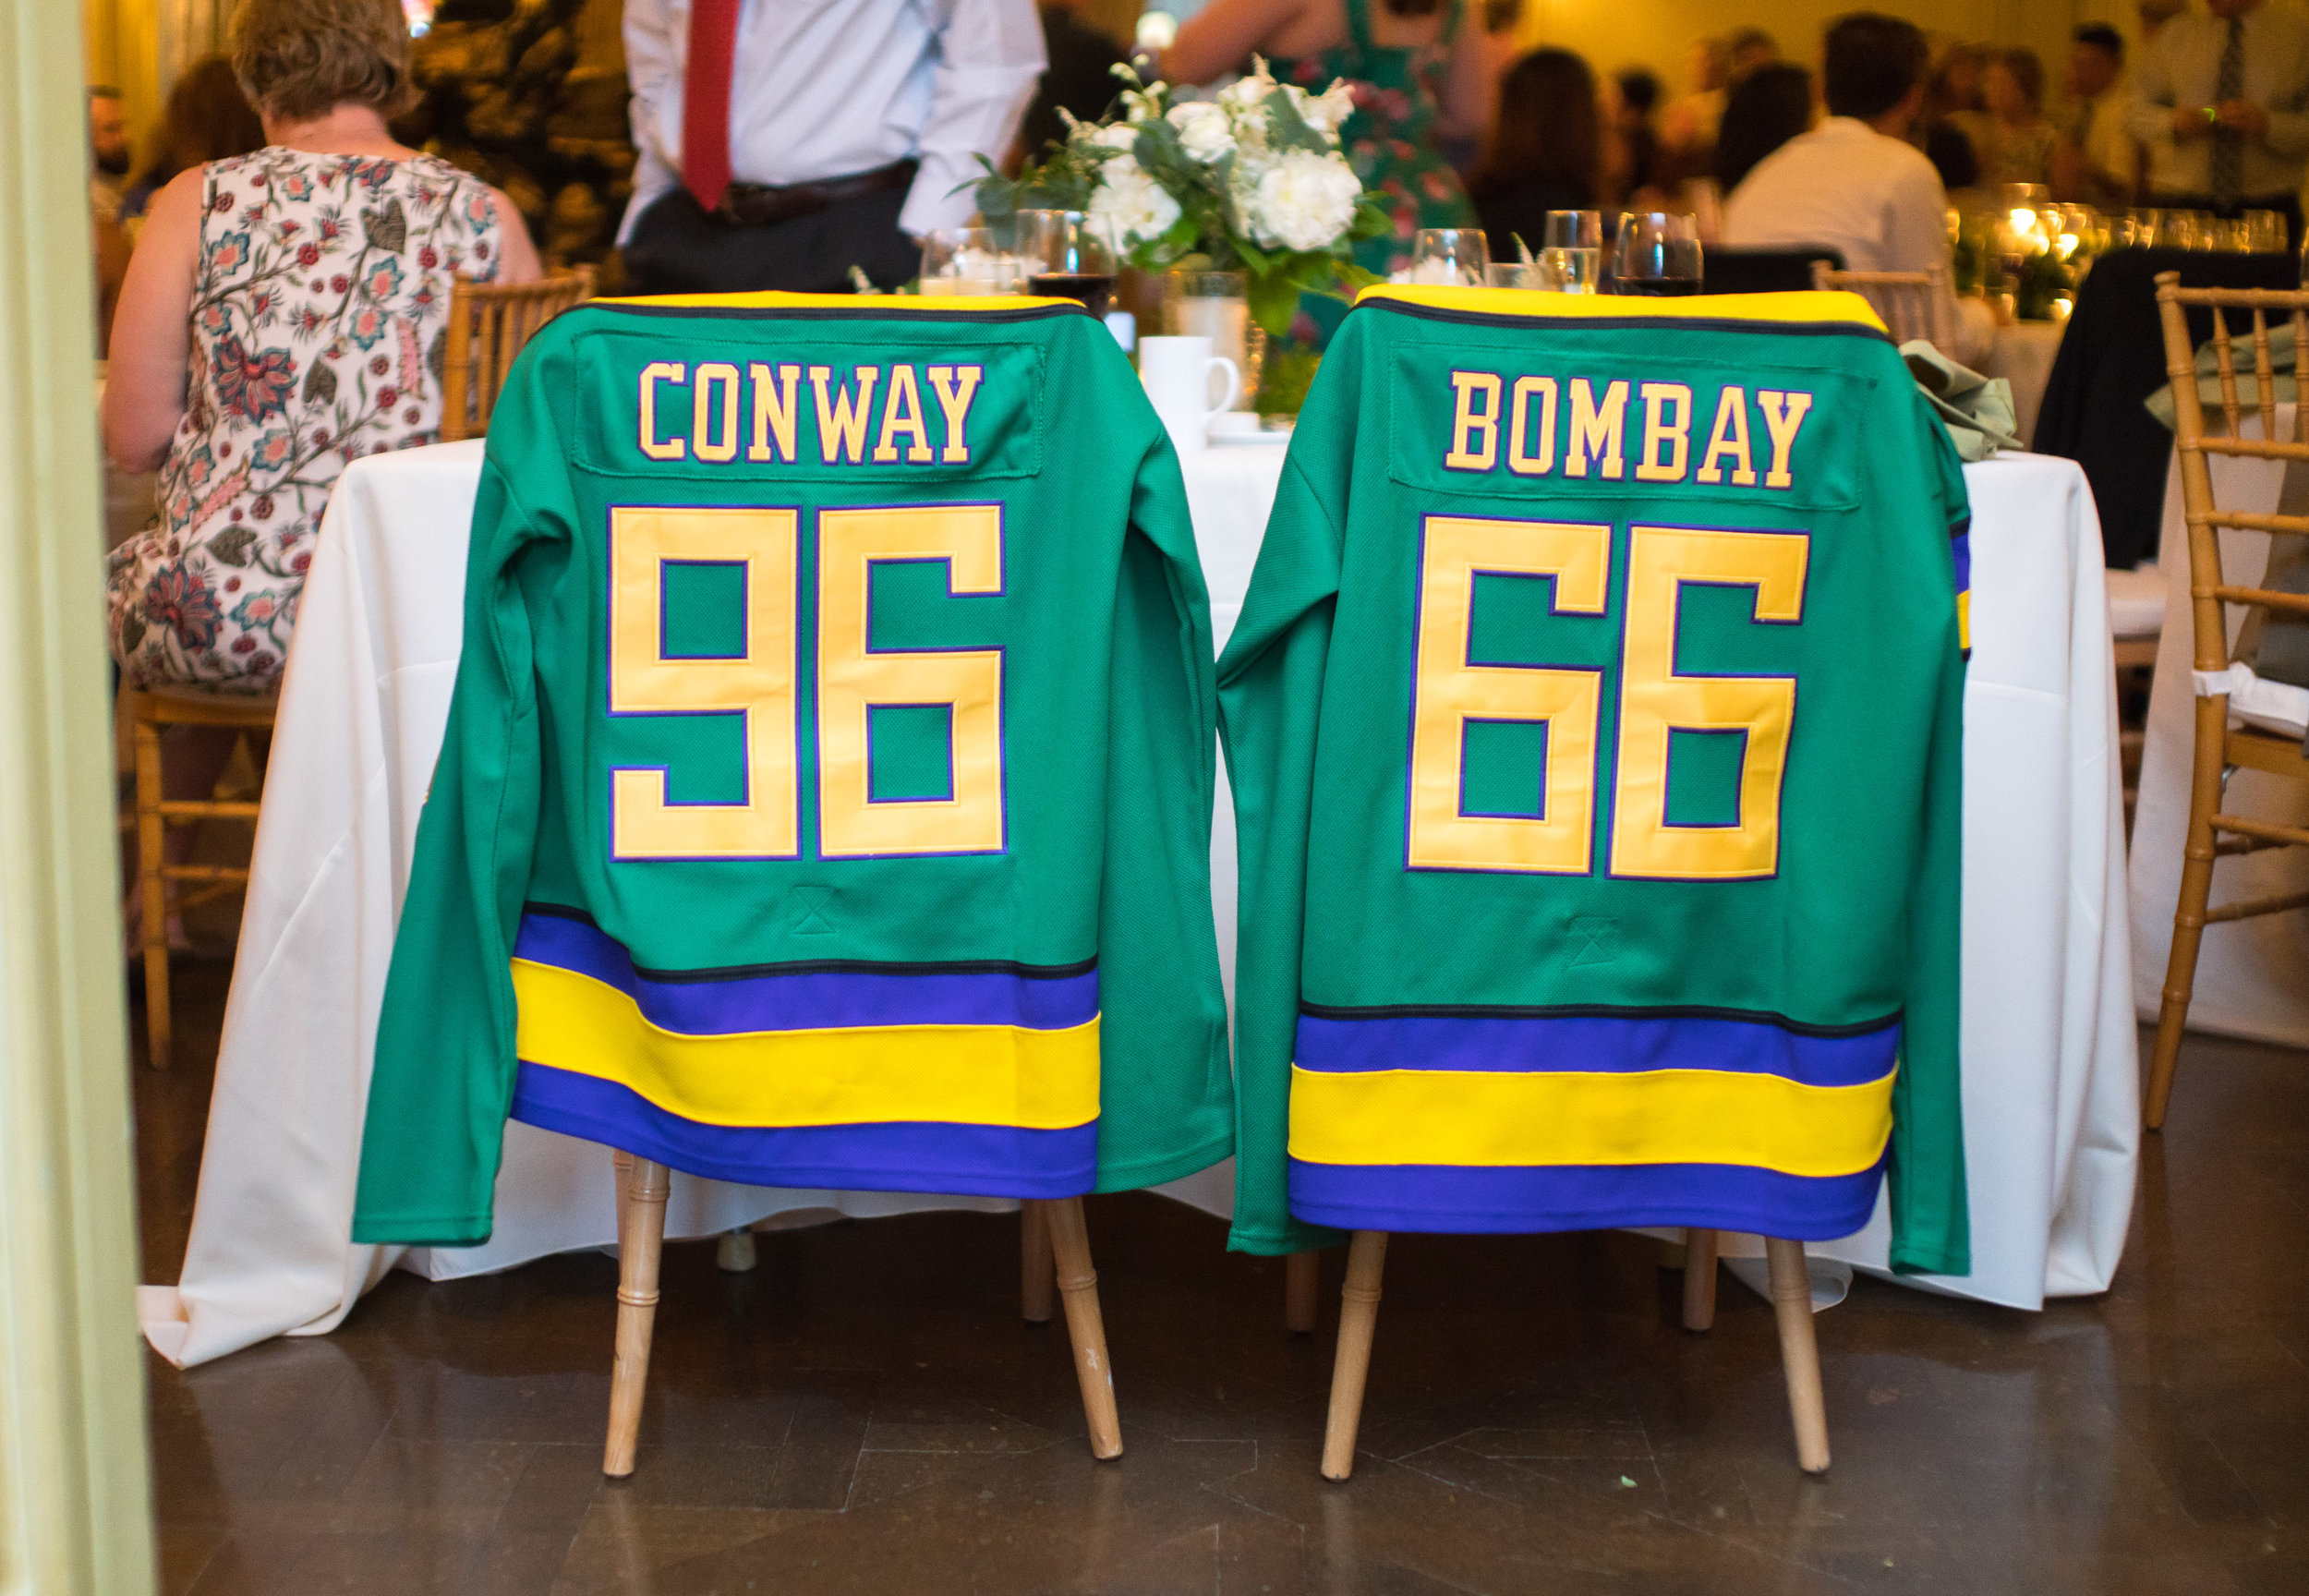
(2213, 833)
(1057, 1252)
(1913, 304)
(488, 322)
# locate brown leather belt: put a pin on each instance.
(755, 205)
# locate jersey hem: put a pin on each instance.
(1146, 1172)
(1831, 1227)
(427, 1230)
(628, 1137)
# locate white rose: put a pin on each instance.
(1203, 131)
(1130, 204)
(1306, 200)
(1325, 112)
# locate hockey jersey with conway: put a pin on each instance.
(1593, 721)
(826, 798)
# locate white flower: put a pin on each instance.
(1306, 202)
(1119, 136)
(1325, 112)
(1244, 96)
(1203, 131)
(1132, 206)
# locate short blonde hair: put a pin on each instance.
(298, 59)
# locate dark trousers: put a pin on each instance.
(677, 247)
(2289, 205)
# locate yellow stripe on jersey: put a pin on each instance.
(1477, 1116)
(1762, 308)
(954, 1074)
(772, 299)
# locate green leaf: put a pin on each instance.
(1287, 130)
(1274, 300)
(231, 546)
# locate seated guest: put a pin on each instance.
(1855, 183)
(281, 317)
(1637, 123)
(2020, 141)
(1952, 116)
(1770, 106)
(1546, 154)
(208, 119)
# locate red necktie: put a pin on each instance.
(705, 99)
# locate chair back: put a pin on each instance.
(1913, 304)
(2209, 592)
(488, 322)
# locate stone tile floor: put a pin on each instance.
(866, 1412)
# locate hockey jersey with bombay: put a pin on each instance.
(1593, 722)
(826, 798)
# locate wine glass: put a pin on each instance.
(1070, 255)
(966, 261)
(2264, 232)
(1450, 257)
(1656, 254)
(1571, 251)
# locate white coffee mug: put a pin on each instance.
(1178, 372)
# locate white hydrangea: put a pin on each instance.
(1305, 201)
(1119, 136)
(1131, 205)
(1203, 129)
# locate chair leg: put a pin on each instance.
(1359, 1316)
(2188, 915)
(636, 1311)
(1037, 1273)
(1700, 1278)
(151, 832)
(1302, 1280)
(1799, 1351)
(1078, 1287)
(734, 1255)
(622, 1172)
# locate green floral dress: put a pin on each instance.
(320, 305)
(1390, 141)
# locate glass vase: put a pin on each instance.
(1216, 305)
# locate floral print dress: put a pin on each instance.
(320, 316)
(1390, 141)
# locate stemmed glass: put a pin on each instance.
(1068, 256)
(1656, 254)
(1450, 257)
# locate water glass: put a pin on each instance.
(1514, 275)
(966, 261)
(1656, 254)
(1450, 257)
(1571, 251)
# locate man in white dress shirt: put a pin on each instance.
(785, 141)
(2229, 87)
(1855, 183)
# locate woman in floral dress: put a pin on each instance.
(286, 312)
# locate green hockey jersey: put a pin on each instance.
(1593, 720)
(827, 792)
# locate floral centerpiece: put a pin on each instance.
(1252, 181)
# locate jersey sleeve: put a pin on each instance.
(444, 1066)
(1931, 1230)
(1270, 693)
(1161, 1003)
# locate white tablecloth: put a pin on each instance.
(2252, 975)
(2050, 1066)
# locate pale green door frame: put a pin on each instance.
(75, 1492)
